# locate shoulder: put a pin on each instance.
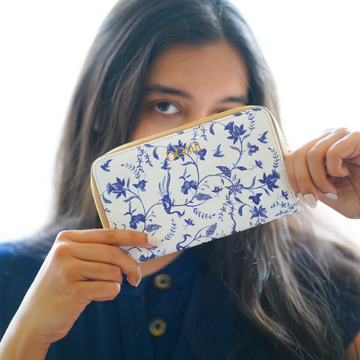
(18, 269)
(16, 259)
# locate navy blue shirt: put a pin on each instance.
(201, 322)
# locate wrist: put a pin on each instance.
(20, 342)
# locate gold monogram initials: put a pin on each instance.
(182, 151)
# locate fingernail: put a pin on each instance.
(153, 240)
(310, 200)
(139, 281)
(331, 196)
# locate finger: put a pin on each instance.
(109, 256)
(303, 178)
(315, 159)
(114, 237)
(290, 170)
(98, 290)
(302, 173)
(348, 148)
(86, 270)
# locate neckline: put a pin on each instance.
(185, 267)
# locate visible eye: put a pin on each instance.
(166, 108)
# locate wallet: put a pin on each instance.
(196, 183)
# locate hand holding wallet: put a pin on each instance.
(196, 183)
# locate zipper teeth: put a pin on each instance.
(181, 127)
(281, 136)
(96, 204)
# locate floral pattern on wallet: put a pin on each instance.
(198, 184)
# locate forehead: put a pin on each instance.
(187, 66)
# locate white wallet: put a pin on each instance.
(196, 183)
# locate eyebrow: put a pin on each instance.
(156, 88)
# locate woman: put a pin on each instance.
(277, 290)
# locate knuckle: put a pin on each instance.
(114, 253)
(342, 131)
(132, 237)
(62, 235)
(312, 154)
(111, 235)
(115, 273)
(67, 271)
(331, 152)
(61, 249)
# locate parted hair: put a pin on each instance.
(284, 277)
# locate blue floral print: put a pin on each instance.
(140, 185)
(202, 154)
(106, 166)
(231, 177)
(116, 188)
(270, 180)
(252, 149)
(188, 185)
(262, 138)
(258, 212)
(218, 152)
(236, 188)
(255, 198)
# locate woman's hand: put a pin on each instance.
(82, 266)
(328, 169)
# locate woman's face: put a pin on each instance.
(187, 83)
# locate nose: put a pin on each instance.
(196, 115)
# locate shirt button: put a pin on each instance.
(157, 326)
(162, 282)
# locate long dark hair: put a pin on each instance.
(282, 276)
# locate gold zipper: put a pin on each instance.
(281, 137)
(94, 197)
